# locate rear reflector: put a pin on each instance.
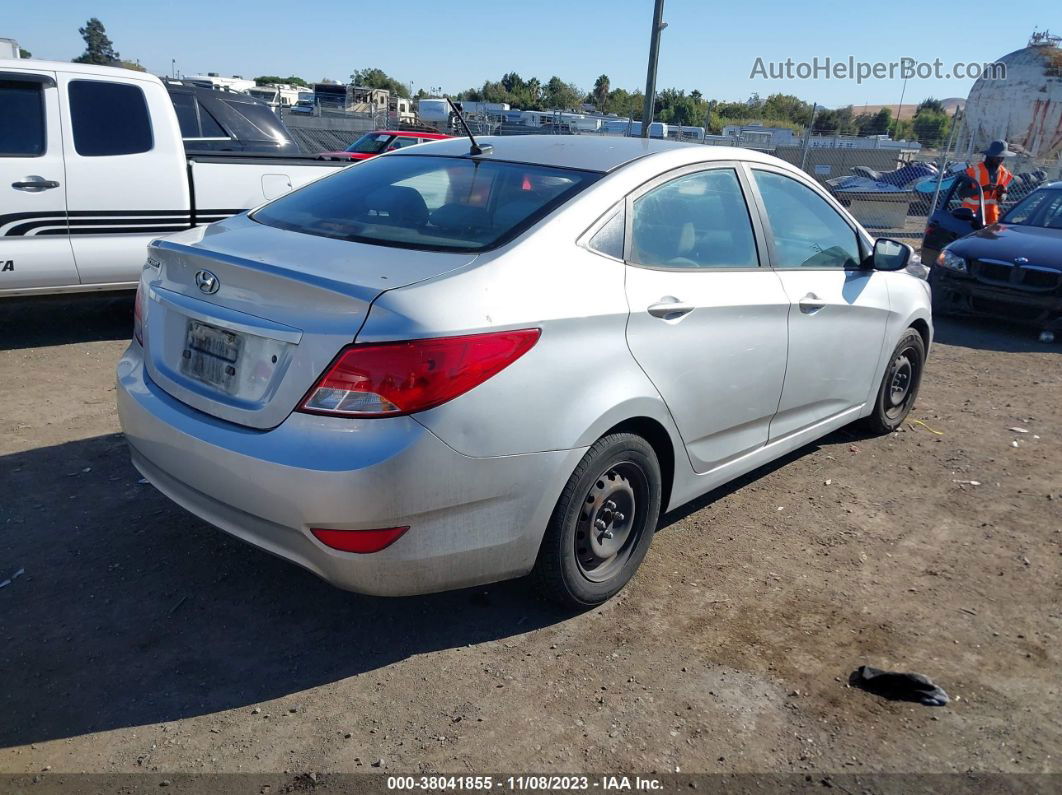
(404, 377)
(361, 541)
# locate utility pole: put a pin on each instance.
(650, 76)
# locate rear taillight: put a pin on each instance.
(360, 541)
(403, 377)
(138, 315)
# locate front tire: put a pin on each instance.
(899, 386)
(603, 523)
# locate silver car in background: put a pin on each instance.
(440, 368)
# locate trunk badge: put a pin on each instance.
(207, 282)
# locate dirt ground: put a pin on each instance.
(140, 639)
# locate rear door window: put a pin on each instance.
(21, 119)
(184, 105)
(435, 203)
(109, 118)
(695, 221)
(209, 125)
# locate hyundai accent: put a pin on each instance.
(451, 365)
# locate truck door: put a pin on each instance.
(128, 173)
(35, 249)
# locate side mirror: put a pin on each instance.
(890, 255)
(963, 214)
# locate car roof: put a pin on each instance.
(33, 65)
(587, 152)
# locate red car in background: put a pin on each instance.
(379, 141)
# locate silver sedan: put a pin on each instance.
(446, 367)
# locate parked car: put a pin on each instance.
(93, 168)
(1011, 270)
(442, 368)
(215, 120)
(380, 141)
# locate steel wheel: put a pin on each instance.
(899, 386)
(603, 522)
(610, 521)
(901, 379)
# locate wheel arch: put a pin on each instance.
(660, 440)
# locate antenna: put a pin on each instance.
(475, 149)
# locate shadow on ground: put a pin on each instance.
(132, 611)
(992, 335)
(61, 320)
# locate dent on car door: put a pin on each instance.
(839, 310)
(707, 323)
(34, 245)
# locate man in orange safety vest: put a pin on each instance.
(993, 178)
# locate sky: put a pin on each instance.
(457, 44)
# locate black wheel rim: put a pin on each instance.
(611, 521)
(901, 381)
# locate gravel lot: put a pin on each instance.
(141, 639)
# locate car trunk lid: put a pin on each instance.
(241, 318)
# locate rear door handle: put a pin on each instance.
(810, 304)
(670, 308)
(35, 184)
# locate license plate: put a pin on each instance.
(212, 355)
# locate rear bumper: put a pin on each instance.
(960, 293)
(472, 520)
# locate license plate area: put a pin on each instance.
(212, 355)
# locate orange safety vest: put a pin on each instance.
(979, 173)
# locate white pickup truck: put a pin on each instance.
(93, 167)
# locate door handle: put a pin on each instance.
(35, 183)
(669, 308)
(810, 304)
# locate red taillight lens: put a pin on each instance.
(404, 377)
(138, 315)
(360, 541)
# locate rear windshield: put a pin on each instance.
(428, 202)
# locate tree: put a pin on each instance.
(561, 95)
(930, 103)
(24, 53)
(265, 80)
(378, 78)
(931, 127)
(600, 93)
(131, 65)
(98, 48)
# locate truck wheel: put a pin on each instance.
(899, 386)
(603, 523)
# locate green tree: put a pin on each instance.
(99, 49)
(265, 80)
(561, 95)
(600, 93)
(24, 53)
(378, 78)
(930, 103)
(930, 127)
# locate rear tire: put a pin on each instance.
(899, 386)
(603, 523)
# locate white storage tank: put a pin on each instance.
(1025, 108)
